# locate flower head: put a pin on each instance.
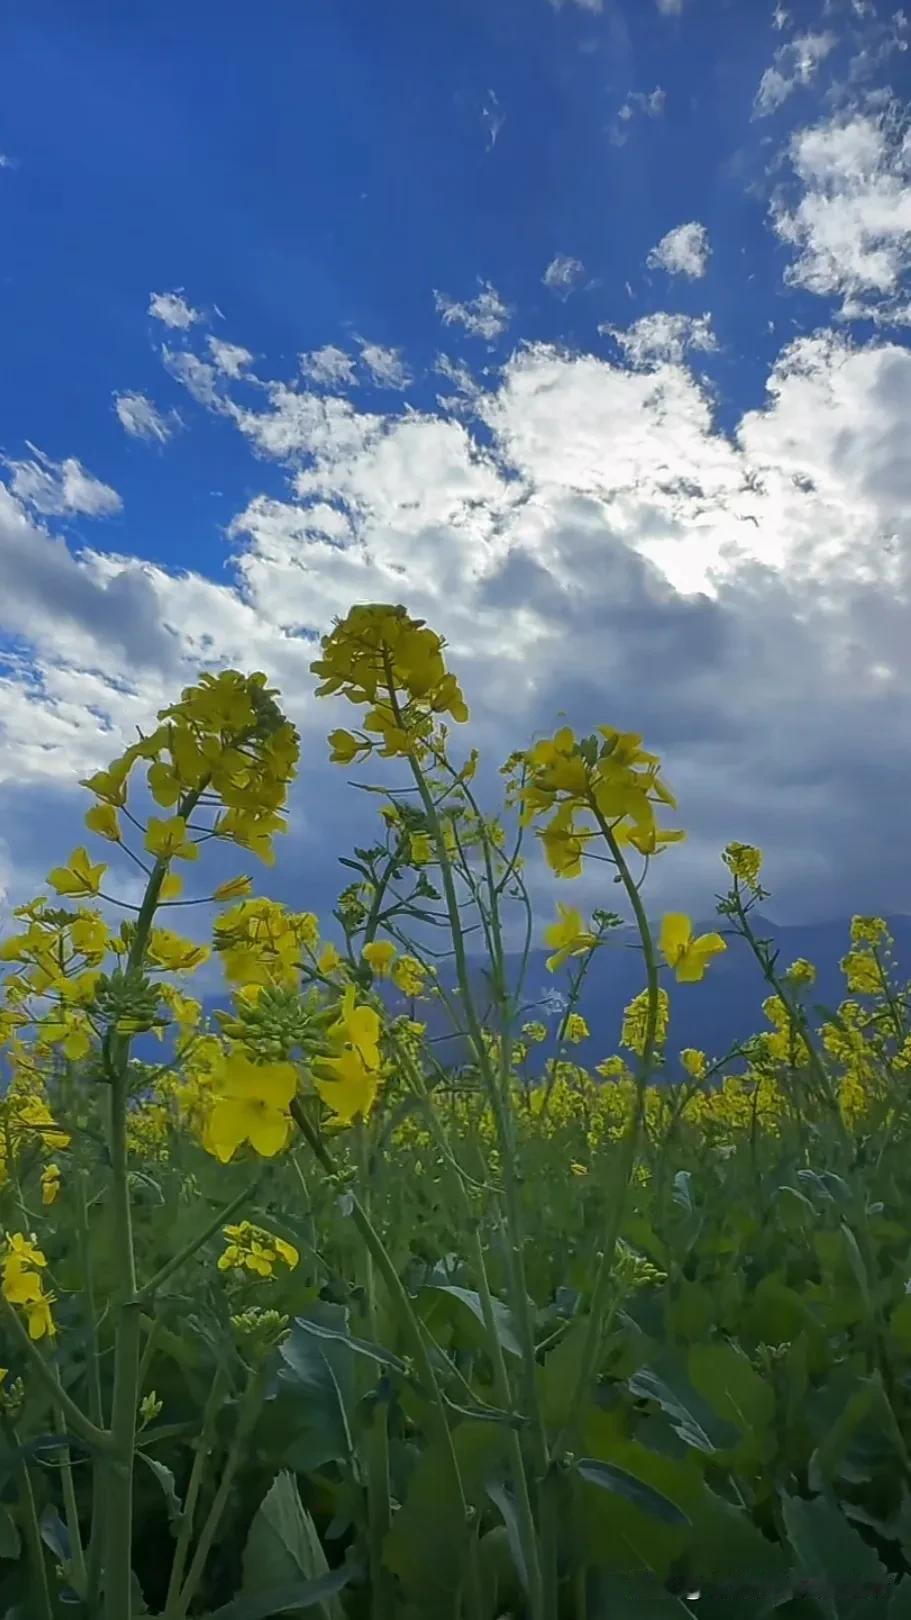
(569, 937)
(687, 956)
(251, 1105)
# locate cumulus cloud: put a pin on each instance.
(563, 274)
(229, 358)
(385, 367)
(141, 419)
(848, 212)
(794, 65)
(328, 365)
(485, 316)
(597, 541)
(173, 310)
(61, 488)
(684, 251)
(661, 338)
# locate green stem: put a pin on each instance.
(77, 1556)
(246, 1422)
(197, 1472)
(33, 1536)
(379, 1505)
(423, 1365)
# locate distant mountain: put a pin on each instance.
(713, 1015)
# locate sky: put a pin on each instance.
(582, 329)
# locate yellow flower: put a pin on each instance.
(421, 848)
(568, 936)
(801, 972)
(564, 844)
(576, 1029)
(328, 959)
(235, 889)
(50, 1183)
(358, 1027)
(38, 1315)
(868, 930)
(90, 935)
(79, 876)
(168, 839)
(175, 955)
(410, 976)
(535, 1032)
(378, 955)
(687, 956)
(745, 862)
(352, 1090)
(171, 886)
(694, 1062)
(578, 1169)
(862, 973)
(103, 820)
(345, 747)
(251, 1105)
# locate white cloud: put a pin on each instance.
(386, 366)
(492, 117)
(851, 226)
(141, 419)
(794, 65)
(202, 380)
(683, 251)
(563, 274)
(638, 102)
(780, 18)
(173, 309)
(485, 316)
(660, 339)
(229, 358)
(61, 488)
(328, 365)
(6, 162)
(598, 534)
(669, 8)
(584, 5)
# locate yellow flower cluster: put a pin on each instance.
(614, 782)
(261, 942)
(22, 1284)
(252, 1249)
(381, 657)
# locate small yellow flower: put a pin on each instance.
(687, 956)
(410, 976)
(352, 1090)
(50, 1183)
(569, 937)
(576, 1029)
(694, 1062)
(345, 747)
(578, 1169)
(235, 889)
(535, 1032)
(103, 820)
(421, 848)
(171, 886)
(379, 956)
(329, 959)
(79, 877)
(167, 838)
(744, 861)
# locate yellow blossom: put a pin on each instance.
(168, 839)
(251, 1105)
(103, 820)
(687, 956)
(694, 1062)
(79, 876)
(352, 1089)
(329, 959)
(569, 937)
(50, 1183)
(744, 862)
(410, 976)
(237, 888)
(576, 1029)
(378, 955)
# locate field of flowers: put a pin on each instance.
(297, 1319)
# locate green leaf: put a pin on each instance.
(10, 1539)
(470, 1301)
(360, 1347)
(691, 1417)
(502, 1499)
(168, 1485)
(283, 1547)
(286, 1599)
(846, 1578)
(320, 1379)
(732, 1387)
(637, 1597)
(427, 1544)
(611, 1478)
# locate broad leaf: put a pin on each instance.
(293, 1599)
(283, 1546)
(611, 1478)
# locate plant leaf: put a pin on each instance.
(611, 1478)
(286, 1599)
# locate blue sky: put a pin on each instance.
(584, 330)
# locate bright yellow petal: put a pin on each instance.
(268, 1131)
(676, 932)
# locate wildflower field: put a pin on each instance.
(297, 1319)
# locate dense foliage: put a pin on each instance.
(298, 1319)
